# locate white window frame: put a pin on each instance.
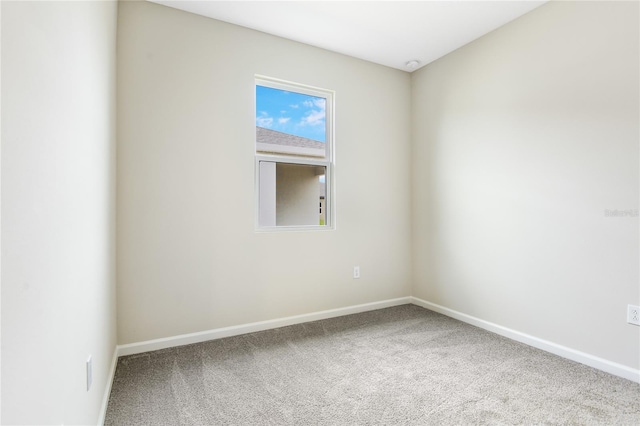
(327, 162)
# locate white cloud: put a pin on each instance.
(314, 118)
(283, 120)
(264, 120)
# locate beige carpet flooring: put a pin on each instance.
(398, 366)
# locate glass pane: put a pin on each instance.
(292, 194)
(290, 123)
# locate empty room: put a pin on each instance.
(320, 213)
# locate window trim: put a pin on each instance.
(328, 162)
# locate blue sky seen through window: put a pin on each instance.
(290, 112)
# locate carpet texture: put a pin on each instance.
(398, 366)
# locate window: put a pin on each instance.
(294, 155)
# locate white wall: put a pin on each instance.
(521, 141)
(189, 258)
(58, 209)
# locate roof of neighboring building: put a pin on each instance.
(278, 138)
(297, 145)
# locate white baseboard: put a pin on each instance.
(107, 388)
(218, 333)
(563, 351)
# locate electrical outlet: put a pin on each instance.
(356, 272)
(89, 373)
(633, 314)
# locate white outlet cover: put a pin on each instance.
(89, 373)
(633, 314)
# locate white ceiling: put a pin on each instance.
(390, 33)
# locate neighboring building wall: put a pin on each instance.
(58, 209)
(297, 195)
(522, 140)
(285, 196)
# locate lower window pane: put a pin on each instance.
(292, 194)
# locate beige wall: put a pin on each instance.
(58, 209)
(189, 258)
(521, 141)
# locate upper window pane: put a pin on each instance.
(290, 123)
